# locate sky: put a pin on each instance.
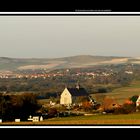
(62, 36)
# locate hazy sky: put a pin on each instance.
(59, 36)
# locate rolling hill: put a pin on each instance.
(65, 62)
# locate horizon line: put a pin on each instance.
(68, 56)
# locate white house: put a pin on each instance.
(138, 101)
(69, 94)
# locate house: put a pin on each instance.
(69, 95)
(138, 101)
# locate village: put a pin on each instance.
(74, 102)
(43, 73)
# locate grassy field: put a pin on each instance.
(123, 93)
(123, 119)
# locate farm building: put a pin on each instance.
(138, 101)
(69, 95)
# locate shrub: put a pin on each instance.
(102, 90)
(52, 112)
(87, 106)
(96, 106)
(119, 111)
(125, 109)
(129, 108)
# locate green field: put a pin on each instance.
(121, 94)
(125, 119)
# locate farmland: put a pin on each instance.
(121, 94)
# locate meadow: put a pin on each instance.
(108, 119)
(123, 93)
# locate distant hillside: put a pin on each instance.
(123, 93)
(15, 63)
(65, 62)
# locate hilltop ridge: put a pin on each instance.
(7, 63)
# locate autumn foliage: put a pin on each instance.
(128, 101)
(108, 104)
(87, 105)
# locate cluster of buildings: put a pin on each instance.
(10, 74)
(30, 76)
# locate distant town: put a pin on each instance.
(9, 74)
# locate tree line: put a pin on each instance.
(18, 106)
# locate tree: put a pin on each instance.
(87, 106)
(129, 108)
(108, 104)
(52, 112)
(134, 98)
(18, 106)
(2, 102)
(29, 106)
(126, 108)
